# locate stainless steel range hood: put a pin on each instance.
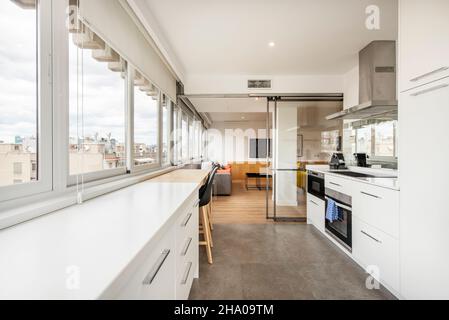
(377, 84)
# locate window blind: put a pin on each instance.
(113, 24)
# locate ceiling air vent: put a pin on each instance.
(259, 84)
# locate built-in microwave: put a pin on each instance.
(315, 184)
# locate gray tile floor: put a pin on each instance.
(278, 261)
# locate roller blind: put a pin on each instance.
(110, 21)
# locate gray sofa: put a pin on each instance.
(223, 184)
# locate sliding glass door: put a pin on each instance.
(286, 201)
(301, 136)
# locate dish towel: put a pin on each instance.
(332, 211)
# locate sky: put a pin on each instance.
(17, 72)
(104, 90)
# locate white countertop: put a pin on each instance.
(389, 183)
(98, 238)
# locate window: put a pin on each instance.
(330, 141)
(364, 140)
(385, 139)
(97, 105)
(176, 135)
(191, 136)
(18, 91)
(185, 137)
(146, 122)
(377, 140)
(165, 130)
(18, 168)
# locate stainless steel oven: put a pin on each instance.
(315, 184)
(340, 228)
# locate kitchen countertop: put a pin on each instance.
(388, 182)
(183, 175)
(92, 242)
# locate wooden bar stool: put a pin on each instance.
(205, 228)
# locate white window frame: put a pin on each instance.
(44, 182)
(167, 130)
(54, 190)
(132, 167)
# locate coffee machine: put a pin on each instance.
(337, 162)
(361, 159)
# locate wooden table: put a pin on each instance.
(183, 176)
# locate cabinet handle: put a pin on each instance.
(156, 268)
(370, 195)
(441, 86)
(197, 203)
(340, 205)
(186, 247)
(313, 202)
(186, 220)
(429, 74)
(370, 236)
(335, 184)
(186, 273)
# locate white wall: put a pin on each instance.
(229, 141)
(233, 84)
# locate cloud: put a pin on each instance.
(103, 90)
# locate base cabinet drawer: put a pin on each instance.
(338, 184)
(166, 267)
(315, 212)
(186, 271)
(154, 278)
(378, 207)
(377, 250)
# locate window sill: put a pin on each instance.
(50, 202)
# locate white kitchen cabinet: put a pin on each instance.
(423, 42)
(315, 212)
(165, 268)
(154, 278)
(378, 207)
(377, 251)
(339, 184)
(424, 176)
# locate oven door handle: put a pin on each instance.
(340, 205)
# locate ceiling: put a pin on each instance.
(232, 105)
(212, 37)
(237, 116)
(310, 114)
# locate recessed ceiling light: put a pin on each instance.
(243, 118)
(271, 44)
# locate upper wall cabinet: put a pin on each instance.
(423, 42)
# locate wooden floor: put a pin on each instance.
(249, 207)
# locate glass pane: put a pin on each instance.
(145, 128)
(364, 140)
(185, 138)
(175, 135)
(18, 93)
(384, 139)
(97, 112)
(165, 131)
